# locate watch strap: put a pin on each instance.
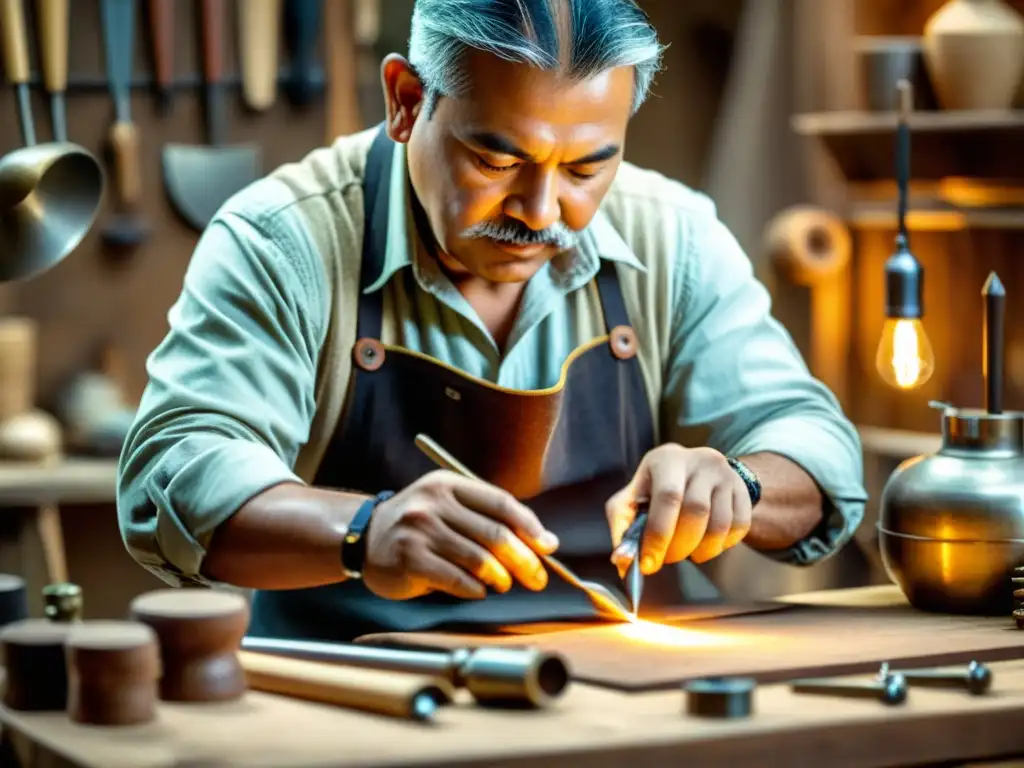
(353, 546)
(749, 478)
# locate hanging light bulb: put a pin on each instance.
(905, 358)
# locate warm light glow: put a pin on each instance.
(669, 636)
(905, 359)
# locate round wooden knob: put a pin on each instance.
(808, 245)
(33, 655)
(200, 631)
(113, 672)
(13, 599)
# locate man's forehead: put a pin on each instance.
(515, 98)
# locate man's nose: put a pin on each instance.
(535, 201)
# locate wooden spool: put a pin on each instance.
(113, 672)
(36, 674)
(200, 631)
(808, 245)
(13, 599)
(18, 345)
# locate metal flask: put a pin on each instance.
(951, 525)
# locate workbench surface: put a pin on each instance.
(589, 726)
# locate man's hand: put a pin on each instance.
(698, 506)
(447, 533)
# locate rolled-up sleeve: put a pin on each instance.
(736, 382)
(231, 392)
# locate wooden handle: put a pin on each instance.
(213, 40)
(52, 18)
(367, 22)
(12, 18)
(442, 458)
(259, 29)
(161, 22)
(124, 141)
(386, 693)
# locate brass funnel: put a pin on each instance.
(49, 198)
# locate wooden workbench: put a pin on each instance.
(589, 727)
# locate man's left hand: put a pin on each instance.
(698, 506)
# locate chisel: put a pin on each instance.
(630, 547)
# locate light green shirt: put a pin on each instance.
(248, 386)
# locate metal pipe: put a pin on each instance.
(493, 676)
(993, 341)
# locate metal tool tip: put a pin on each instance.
(993, 286)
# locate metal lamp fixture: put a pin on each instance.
(49, 193)
(905, 359)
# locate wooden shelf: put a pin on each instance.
(71, 481)
(936, 217)
(979, 145)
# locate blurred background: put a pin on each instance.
(784, 111)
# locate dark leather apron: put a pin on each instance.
(564, 451)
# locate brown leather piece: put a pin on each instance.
(368, 354)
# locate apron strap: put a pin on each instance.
(376, 188)
(614, 306)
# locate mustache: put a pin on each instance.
(515, 232)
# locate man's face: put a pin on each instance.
(509, 173)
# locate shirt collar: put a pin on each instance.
(599, 241)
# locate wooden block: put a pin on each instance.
(200, 631)
(13, 599)
(33, 656)
(113, 670)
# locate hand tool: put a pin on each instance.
(126, 228)
(602, 598)
(49, 193)
(200, 179)
(721, 697)
(302, 25)
(629, 547)
(259, 33)
(493, 676)
(414, 697)
(162, 21)
(890, 690)
(52, 19)
(976, 679)
(16, 65)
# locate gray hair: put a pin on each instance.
(580, 37)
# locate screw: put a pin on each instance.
(891, 690)
(976, 679)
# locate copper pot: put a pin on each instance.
(951, 525)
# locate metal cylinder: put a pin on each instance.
(904, 284)
(492, 675)
(63, 602)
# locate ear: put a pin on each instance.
(403, 96)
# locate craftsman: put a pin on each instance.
(486, 269)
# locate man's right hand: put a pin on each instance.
(448, 533)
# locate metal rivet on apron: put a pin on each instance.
(453, 394)
(623, 342)
(369, 354)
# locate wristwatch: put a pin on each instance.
(353, 546)
(749, 478)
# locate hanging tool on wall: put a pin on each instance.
(52, 20)
(259, 36)
(126, 228)
(16, 64)
(365, 34)
(161, 36)
(199, 179)
(302, 26)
